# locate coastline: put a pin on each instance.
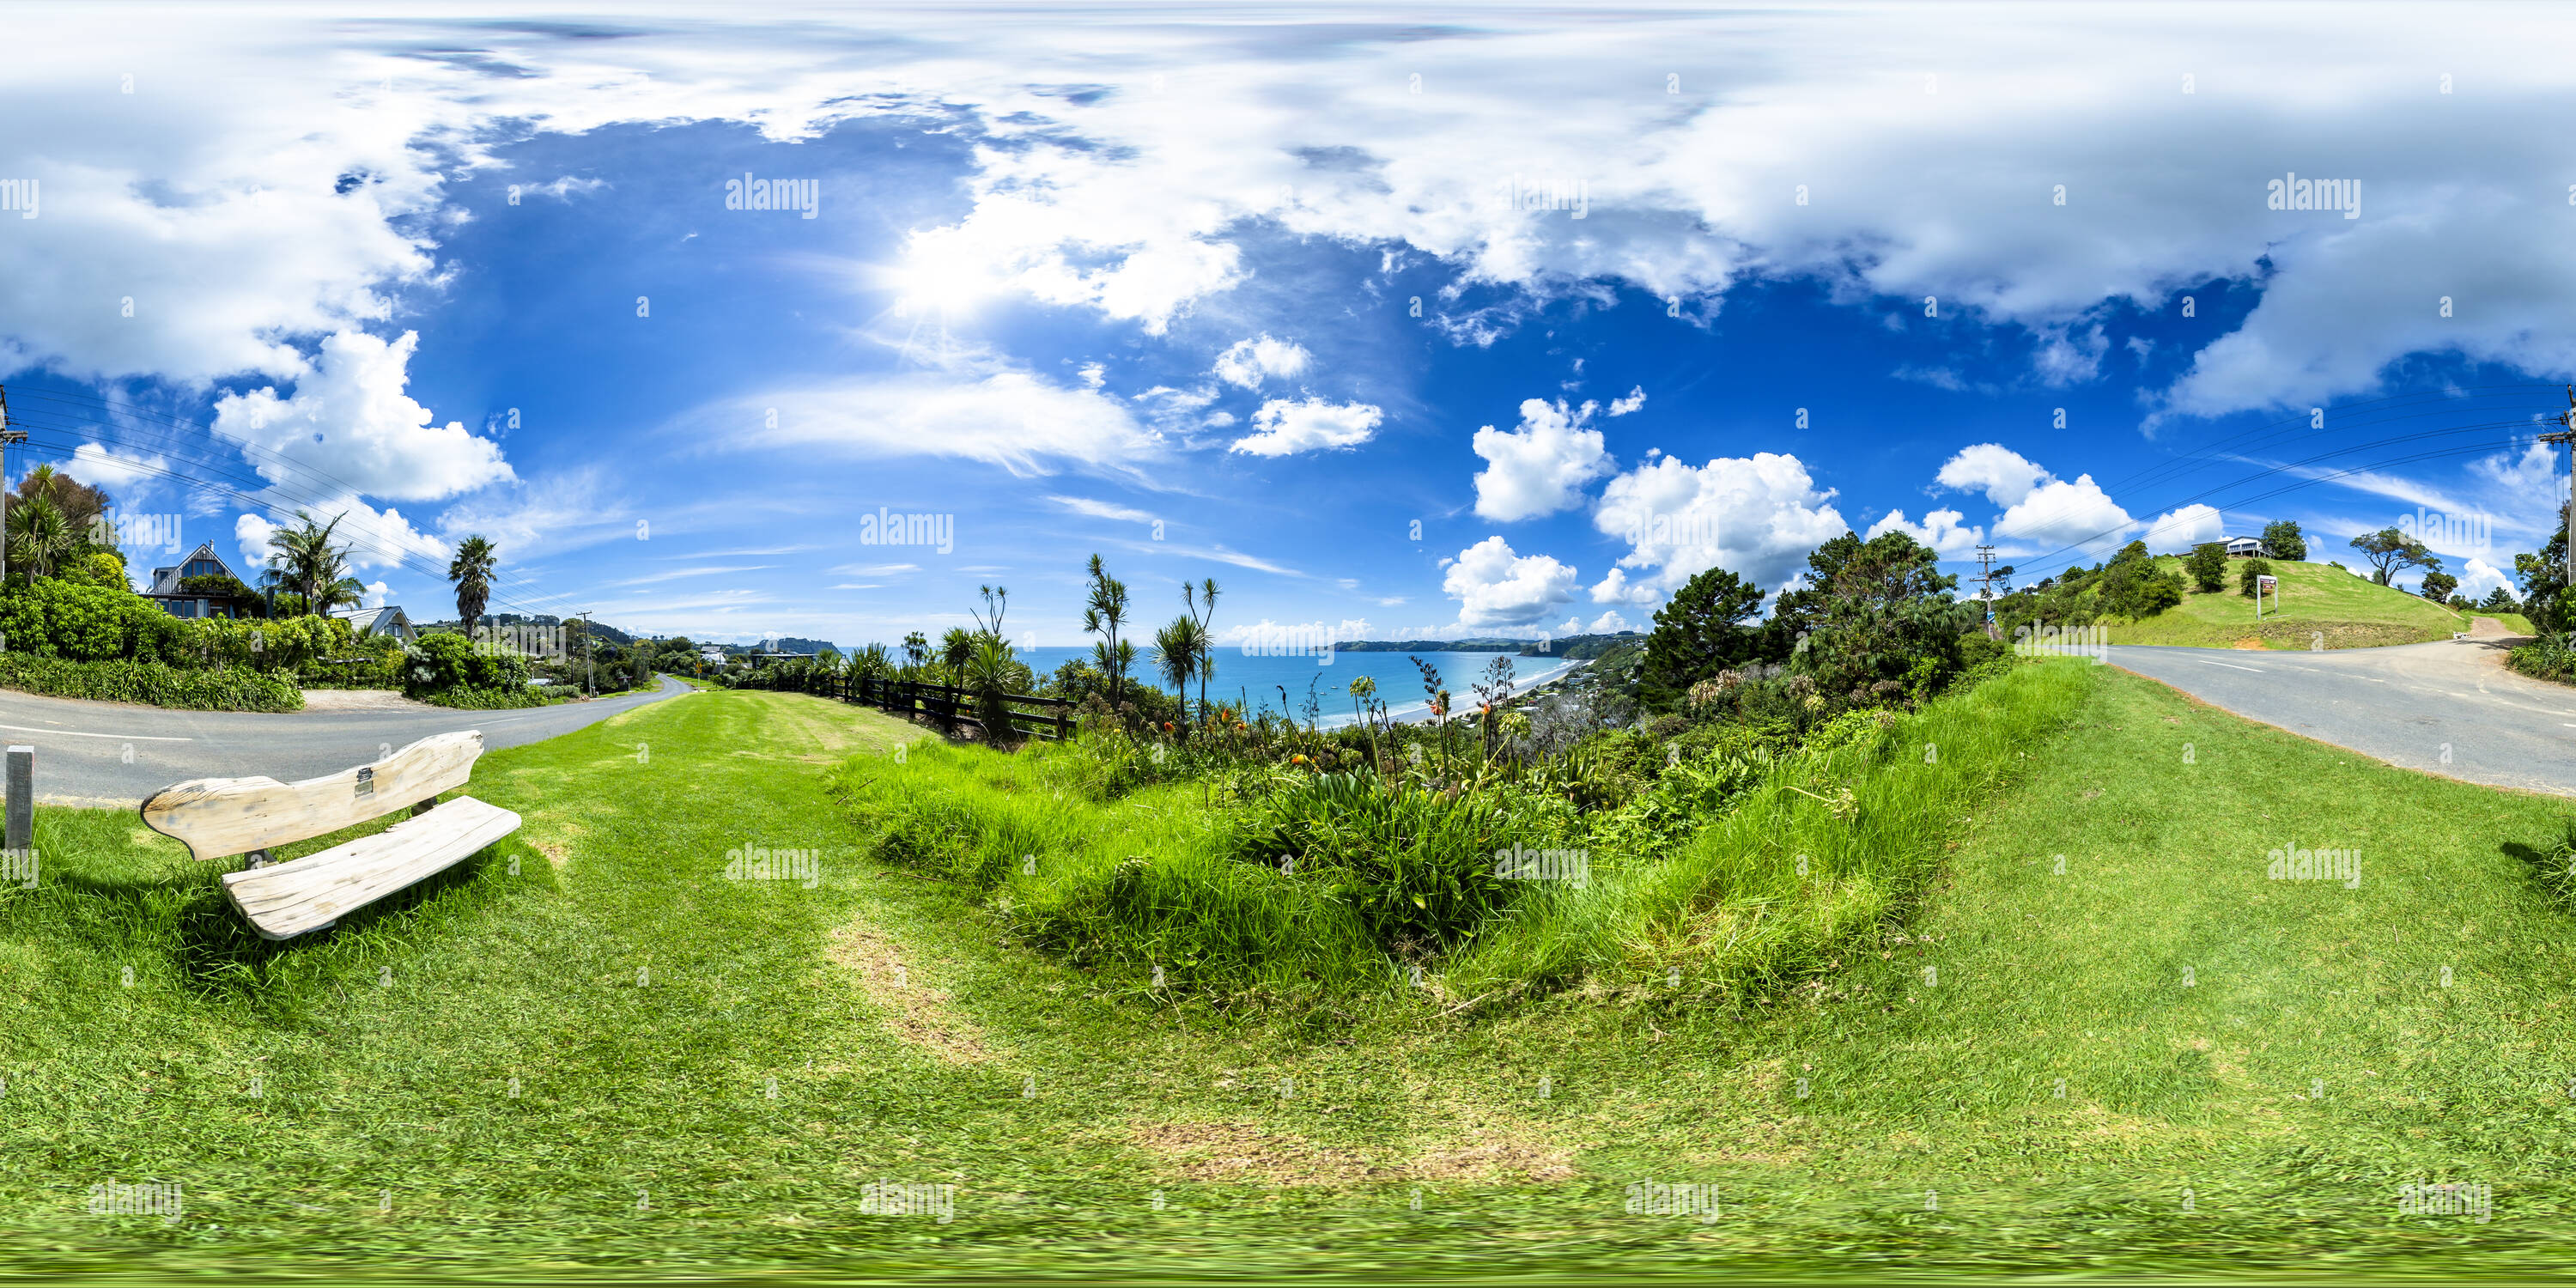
(1419, 712)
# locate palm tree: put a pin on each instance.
(39, 538)
(1176, 656)
(1104, 613)
(955, 649)
(472, 570)
(1206, 642)
(304, 558)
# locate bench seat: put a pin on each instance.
(284, 900)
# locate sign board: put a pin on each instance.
(2261, 584)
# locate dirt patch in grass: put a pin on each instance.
(1246, 1152)
(1250, 1153)
(914, 1010)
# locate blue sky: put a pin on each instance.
(1489, 321)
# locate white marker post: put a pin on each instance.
(2261, 584)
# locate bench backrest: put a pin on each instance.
(216, 817)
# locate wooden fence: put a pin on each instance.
(948, 704)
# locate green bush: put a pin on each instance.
(436, 664)
(1417, 866)
(469, 699)
(153, 683)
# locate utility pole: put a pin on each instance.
(7, 436)
(588, 689)
(1986, 583)
(2566, 438)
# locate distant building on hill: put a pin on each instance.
(388, 620)
(2247, 548)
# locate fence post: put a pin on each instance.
(1063, 721)
(20, 833)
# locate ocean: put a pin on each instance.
(1259, 678)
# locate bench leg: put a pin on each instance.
(419, 808)
(259, 858)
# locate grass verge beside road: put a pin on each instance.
(645, 1003)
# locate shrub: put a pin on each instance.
(237, 689)
(2245, 578)
(2208, 567)
(438, 663)
(467, 699)
(1417, 866)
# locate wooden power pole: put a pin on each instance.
(2566, 438)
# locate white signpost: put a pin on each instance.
(2261, 584)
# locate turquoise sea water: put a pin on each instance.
(1260, 678)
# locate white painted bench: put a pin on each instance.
(216, 817)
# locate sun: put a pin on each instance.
(943, 275)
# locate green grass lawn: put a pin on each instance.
(2318, 603)
(645, 1004)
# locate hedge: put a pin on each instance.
(152, 683)
(472, 699)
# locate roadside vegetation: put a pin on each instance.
(1766, 795)
(2206, 599)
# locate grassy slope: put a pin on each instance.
(1914, 1085)
(2348, 611)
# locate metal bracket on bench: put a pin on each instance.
(259, 858)
(366, 780)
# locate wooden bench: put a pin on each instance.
(217, 817)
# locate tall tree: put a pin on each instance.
(1104, 613)
(1176, 655)
(1202, 611)
(1700, 632)
(2208, 567)
(303, 558)
(39, 538)
(472, 570)
(2391, 552)
(2283, 538)
(2438, 586)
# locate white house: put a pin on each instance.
(179, 602)
(387, 620)
(2247, 548)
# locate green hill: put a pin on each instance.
(2318, 603)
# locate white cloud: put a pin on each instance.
(250, 533)
(2058, 514)
(1495, 587)
(1636, 399)
(1756, 516)
(1250, 362)
(2176, 531)
(2004, 475)
(350, 425)
(1008, 418)
(376, 595)
(2478, 577)
(1540, 468)
(1090, 508)
(118, 472)
(1609, 623)
(1285, 428)
(1614, 589)
(1939, 530)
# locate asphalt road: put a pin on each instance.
(109, 754)
(2448, 708)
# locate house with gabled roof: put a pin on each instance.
(388, 620)
(170, 587)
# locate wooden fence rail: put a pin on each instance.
(949, 704)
